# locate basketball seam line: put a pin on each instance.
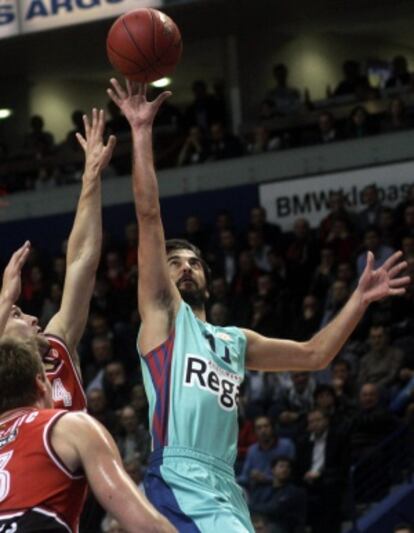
(127, 59)
(136, 44)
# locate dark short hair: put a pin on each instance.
(183, 244)
(282, 458)
(324, 387)
(20, 363)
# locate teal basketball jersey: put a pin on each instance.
(192, 384)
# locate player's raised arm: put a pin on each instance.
(79, 440)
(12, 284)
(84, 246)
(158, 297)
(278, 354)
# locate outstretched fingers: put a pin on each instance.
(117, 92)
(161, 98)
(392, 260)
(400, 282)
(397, 269)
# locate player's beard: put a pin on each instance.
(195, 298)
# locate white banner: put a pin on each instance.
(37, 15)
(9, 23)
(308, 197)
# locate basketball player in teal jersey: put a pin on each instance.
(192, 370)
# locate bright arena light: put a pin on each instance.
(5, 113)
(163, 82)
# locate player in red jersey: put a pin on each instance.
(62, 334)
(46, 456)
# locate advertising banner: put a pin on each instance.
(37, 15)
(308, 197)
(27, 16)
(9, 22)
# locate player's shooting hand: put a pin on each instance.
(385, 281)
(97, 154)
(133, 102)
(12, 284)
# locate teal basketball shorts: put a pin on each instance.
(196, 492)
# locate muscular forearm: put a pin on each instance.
(327, 342)
(86, 236)
(145, 185)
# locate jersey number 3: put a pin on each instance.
(4, 475)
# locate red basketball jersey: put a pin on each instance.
(37, 491)
(66, 383)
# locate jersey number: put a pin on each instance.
(212, 342)
(59, 393)
(4, 475)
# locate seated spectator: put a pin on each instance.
(292, 404)
(98, 408)
(267, 110)
(258, 221)
(195, 232)
(307, 324)
(226, 255)
(327, 130)
(263, 141)
(400, 76)
(382, 363)
(396, 118)
(322, 467)
(337, 210)
(133, 440)
(221, 144)
(116, 384)
(338, 408)
(386, 225)
(286, 99)
(204, 109)
(372, 243)
(259, 249)
(337, 296)
(369, 426)
(354, 83)
(285, 506)
(369, 215)
(341, 240)
(264, 318)
(407, 200)
(194, 149)
(102, 352)
(343, 381)
(324, 274)
(38, 143)
(406, 229)
(301, 255)
(360, 123)
(256, 475)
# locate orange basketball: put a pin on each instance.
(144, 45)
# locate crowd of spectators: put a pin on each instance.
(200, 131)
(299, 432)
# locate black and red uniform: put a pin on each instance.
(37, 491)
(63, 375)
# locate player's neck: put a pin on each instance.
(200, 313)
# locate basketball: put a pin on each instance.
(144, 45)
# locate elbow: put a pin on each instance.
(318, 359)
